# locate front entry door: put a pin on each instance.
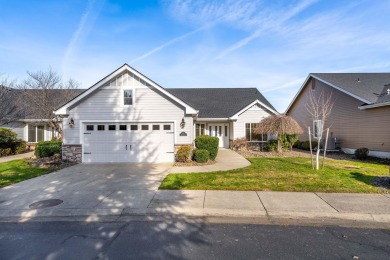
(222, 132)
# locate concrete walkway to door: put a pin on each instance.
(226, 160)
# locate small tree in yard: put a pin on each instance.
(278, 125)
(319, 106)
(42, 90)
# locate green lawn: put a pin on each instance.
(17, 171)
(285, 174)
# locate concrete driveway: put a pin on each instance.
(87, 186)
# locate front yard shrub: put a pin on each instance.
(20, 147)
(361, 153)
(48, 148)
(209, 143)
(7, 138)
(240, 144)
(305, 145)
(5, 152)
(183, 154)
(271, 145)
(201, 155)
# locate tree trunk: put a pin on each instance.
(279, 144)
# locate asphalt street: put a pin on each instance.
(180, 239)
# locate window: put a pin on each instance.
(89, 127)
(220, 130)
(156, 127)
(100, 127)
(225, 130)
(210, 131)
(111, 127)
(167, 127)
(134, 127)
(199, 129)
(123, 127)
(128, 97)
(251, 136)
(36, 133)
(145, 127)
(216, 130)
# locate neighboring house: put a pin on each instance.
(29, 120)
(126, 117)
(361, 112)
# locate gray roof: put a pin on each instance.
(26, 100)
(219, 102)
(371, 87)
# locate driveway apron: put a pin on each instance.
(88, 186)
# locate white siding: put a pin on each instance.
(253, 115)
(18, 128)
(106, 103)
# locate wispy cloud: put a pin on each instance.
(270, 23)
(168, 43)
(85, 25)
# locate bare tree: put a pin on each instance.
(319, 106)
(9, 108)
(44, 92)
(278, 125)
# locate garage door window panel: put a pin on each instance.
(89, 127)
(156, 127)
(123, 127)
(145, 127)
(167, 127)
(100, 127)
(134, 127)
(111, 127)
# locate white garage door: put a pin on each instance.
(128, 142)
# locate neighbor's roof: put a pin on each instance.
(370, 88)
(26, 100)
(219, 102)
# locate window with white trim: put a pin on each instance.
(36, 133)
(199, 129)
(128, 97)
(253, 137)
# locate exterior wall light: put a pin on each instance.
(183, 123)
(71, 122)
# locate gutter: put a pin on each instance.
(374, 105)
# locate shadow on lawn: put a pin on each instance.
(376, 181)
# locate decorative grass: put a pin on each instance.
(17, 171)
(285, 174)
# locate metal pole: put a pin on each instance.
(326, 145)
(311, 152)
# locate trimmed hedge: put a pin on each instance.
(209, 143)
(48, 148)
(361, 153)
(183, 154)
(201, 155)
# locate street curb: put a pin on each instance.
(118, 214)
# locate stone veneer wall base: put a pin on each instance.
(72, 153)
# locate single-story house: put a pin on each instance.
(127, 117)
(30, 112)
(360, 116)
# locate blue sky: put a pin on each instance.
(270, 45)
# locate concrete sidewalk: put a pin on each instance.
(317, 207)
(16, 157)
(226, 160)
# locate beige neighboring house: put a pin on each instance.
(361, 112)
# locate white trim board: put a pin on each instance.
(235, 116)
(64, 109)
(329, 84)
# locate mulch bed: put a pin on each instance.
(193, 163)
(53, 162)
